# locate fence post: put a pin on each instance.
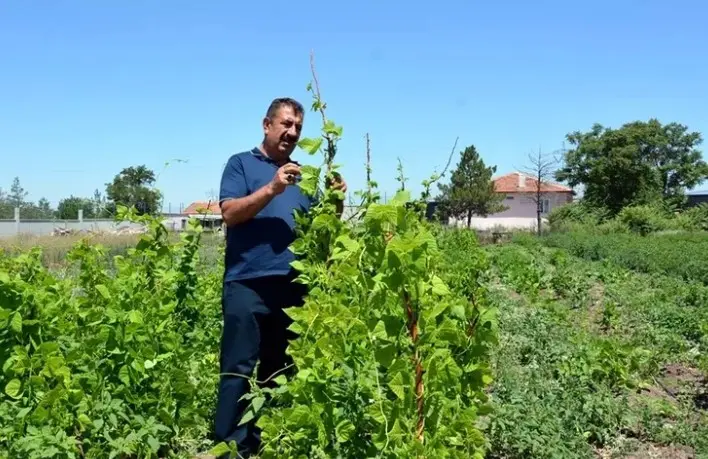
(17, 220)
(81, 215)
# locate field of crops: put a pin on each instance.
(596, 360)
(118, 357)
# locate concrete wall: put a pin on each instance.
(522, 205)
(46, 227)
(18, 226)
(498, 223)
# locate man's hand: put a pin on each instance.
(286, 175)
(338, 183)
(236, 211)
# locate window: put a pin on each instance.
(546, 206)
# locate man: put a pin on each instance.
(258, 198)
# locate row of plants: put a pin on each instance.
(595, 359)
(681, 255)
(117, 356)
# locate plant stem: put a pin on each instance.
(331, 149)
(413, 331)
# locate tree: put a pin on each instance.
(7, 212)
(132, 187)
(541, 167)
(68, 208)
(639, 163)
(99, 205)
(40, 211)
(45, 208)
(471, 189)
(17, 195)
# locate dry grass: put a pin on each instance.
(55, 248)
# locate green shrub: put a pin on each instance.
(695, 218)
(575, 214)
(643, 219)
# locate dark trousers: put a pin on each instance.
(255, 329)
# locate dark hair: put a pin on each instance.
(279, 102)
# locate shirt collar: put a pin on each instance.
(259, 154)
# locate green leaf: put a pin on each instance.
(135, 316)
(382, 213)
(439, 287)
(310, 145)
(397, 386)
(247, 417)
(149, 364)
(331, 128)
(310, 176)
(13, 388)
(124, 375)
(401, 197)
(16, 323)
(257, 403)
(344, 431)
(154, 444)
(103, 290)
(298, 265)
(83, 419)
(220, 449)
(385, 354)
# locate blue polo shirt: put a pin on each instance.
(259, 246)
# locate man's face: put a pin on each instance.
(282, 132)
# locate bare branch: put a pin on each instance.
(449, 161)
(541, 168)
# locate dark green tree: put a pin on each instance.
(68, 208)
(133, 187)
(45, 208)
(471, 189)
(17, 195)
(40, 211)
(7, 212)
(638, 163)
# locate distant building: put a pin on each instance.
(520, 201)
(209, 213)
(697, 197)
(520, 190)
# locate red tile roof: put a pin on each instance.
(509, 183)
(202, 207)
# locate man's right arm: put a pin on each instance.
(239, 210)
(237, 205)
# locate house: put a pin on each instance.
(208, 212)
(520, 191)
(696, 198)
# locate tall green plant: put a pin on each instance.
(107, 360)
(390, 361)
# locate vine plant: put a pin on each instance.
(391, 360)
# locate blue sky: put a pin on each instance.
(88, 88)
